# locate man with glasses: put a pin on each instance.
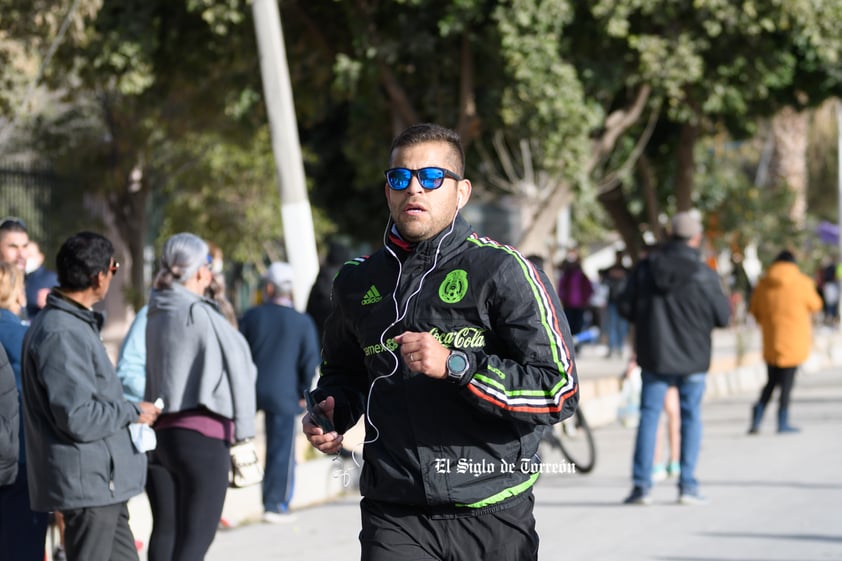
(80, 457)
(456, 350)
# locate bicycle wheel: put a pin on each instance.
(576, 440)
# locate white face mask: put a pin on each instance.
(32, 264)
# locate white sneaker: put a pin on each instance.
(694, 499)
(278, 517)
(659, 472)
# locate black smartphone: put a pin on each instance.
(316, 413)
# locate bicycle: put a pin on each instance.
(573, 437)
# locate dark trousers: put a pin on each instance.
(777, 376)
(22, 531)
(99, 533)
(391, 532)
(186, 485)
(279, 475)
(575, 319)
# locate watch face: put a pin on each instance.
(457, 363)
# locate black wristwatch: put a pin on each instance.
(457, 366)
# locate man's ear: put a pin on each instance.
(98, 279)
(465, 189)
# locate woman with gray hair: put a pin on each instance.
(202, 369)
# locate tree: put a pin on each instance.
(31, 34)
(710, 65)
(577, 88)
(822, 158)
(144, 85)
(557, 100)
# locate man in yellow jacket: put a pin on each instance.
(782, 303)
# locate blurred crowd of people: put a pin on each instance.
(783, 302)
(604, 285)
(76, 436)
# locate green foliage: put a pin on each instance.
(30, 31)
(728, 59)
(543, 98)
(737, 211)
(229, 195)
(718, 64)
(173, 88)
(348, 118)
(220, 16)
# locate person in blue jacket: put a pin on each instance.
(285, 347)
(22, 530)
(131, 362)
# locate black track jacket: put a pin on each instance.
(467, 447)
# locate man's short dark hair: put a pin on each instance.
(80, 258)
(786, 256)
(12, 225)
(429, 132)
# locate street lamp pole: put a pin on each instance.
(296, 214)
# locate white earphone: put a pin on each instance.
(459, 202)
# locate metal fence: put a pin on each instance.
(26, 193)
(44, 202)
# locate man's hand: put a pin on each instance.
(148, 413)
(41, 297)
(423, 353)
(329, 443)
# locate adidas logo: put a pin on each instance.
(372, 296)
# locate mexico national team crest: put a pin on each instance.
(454, 286)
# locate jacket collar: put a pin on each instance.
(446, 240)
(58, 300)
(8, 316)
(680, 247)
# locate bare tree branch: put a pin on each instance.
(469, 123)
(503, 155)
(401, 106)
(624, 168)
(615, 125)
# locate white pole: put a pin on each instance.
(839, 170)
(295, 206)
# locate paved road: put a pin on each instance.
(773, 498)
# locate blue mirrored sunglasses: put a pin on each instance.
(429, 178)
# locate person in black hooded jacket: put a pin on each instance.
(675, 301)
(456, 349)
(318, 303)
